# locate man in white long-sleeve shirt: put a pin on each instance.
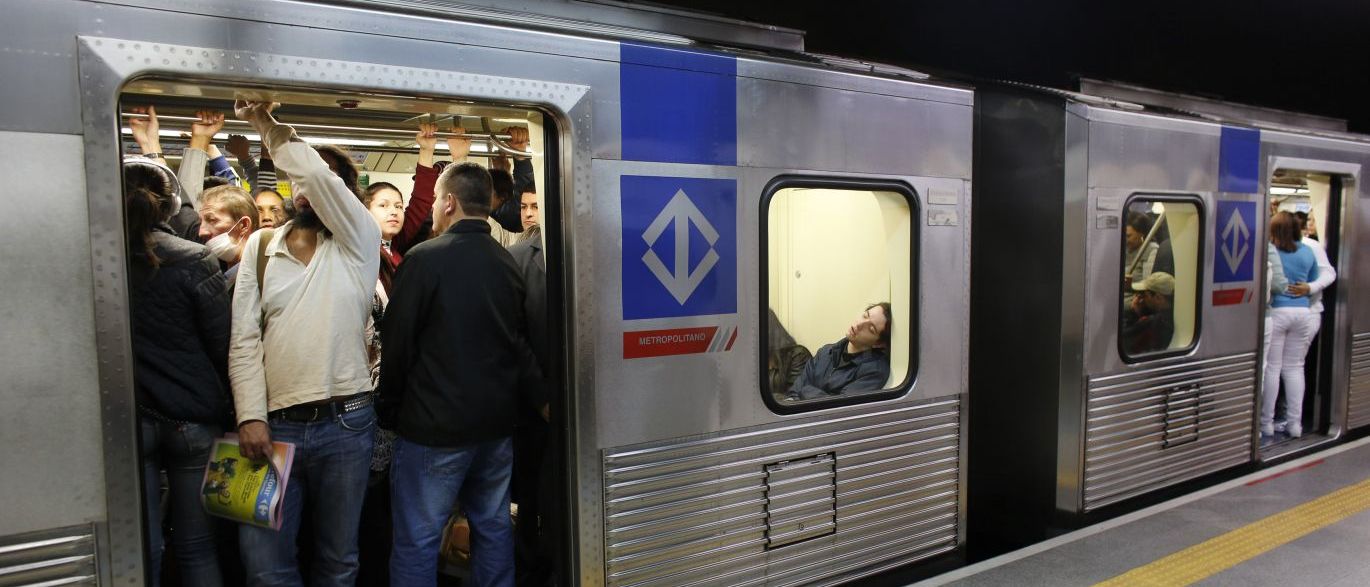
(298, 363)
(1313, 289)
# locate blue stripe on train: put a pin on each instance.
(677, 106)
(1239, 160)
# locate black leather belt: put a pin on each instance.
(322, 410)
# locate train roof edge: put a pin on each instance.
(609, 18)
(1214, 108)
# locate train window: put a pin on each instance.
(1162, 271)
(840, 318)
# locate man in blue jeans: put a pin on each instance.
(458, 362)
(297, 359)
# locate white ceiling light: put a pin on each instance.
(1283, 191)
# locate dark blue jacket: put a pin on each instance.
(829, 374)
(180, 316)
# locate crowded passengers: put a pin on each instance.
(399, 346)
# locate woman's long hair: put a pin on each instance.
(1284, 232)
(144, 192)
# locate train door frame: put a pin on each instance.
(1335, 333)
(106, 65)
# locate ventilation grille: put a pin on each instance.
(1154, 428)
(801, 499)
(1358, 404)
(809, 501)
(64, 556)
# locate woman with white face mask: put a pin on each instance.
(228, 215)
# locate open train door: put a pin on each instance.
(1324, 191)
(367, 98)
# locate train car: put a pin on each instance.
(1117, 352)
(712, 214)
(1310, 165)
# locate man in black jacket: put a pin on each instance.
(454, 327)
(858, 362)
(535, 447)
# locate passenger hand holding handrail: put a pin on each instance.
(502, 146)
(147, 132)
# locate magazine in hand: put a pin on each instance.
(243, 490)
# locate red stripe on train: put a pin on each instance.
(1229, 297)
(672, 341)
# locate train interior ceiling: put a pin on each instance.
(377, 130)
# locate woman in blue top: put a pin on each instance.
(1289, 328)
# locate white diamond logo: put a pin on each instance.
(1235, 243)
(680, 280)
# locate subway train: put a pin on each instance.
(1014, 403)
(1073, 416)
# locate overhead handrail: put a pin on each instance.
(330, 127)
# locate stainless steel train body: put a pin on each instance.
(684, 469)
(1068, 419)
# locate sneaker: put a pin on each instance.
(1294, 430)
(1280, 425)
(1267, 430)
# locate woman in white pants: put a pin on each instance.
(1290, 326)
(1313, 289)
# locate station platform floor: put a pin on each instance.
(1304, 522)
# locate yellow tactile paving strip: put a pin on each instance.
(1209, 558)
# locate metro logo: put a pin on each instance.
(1233, 260)
(1236, 240)
(679, 246)
(681, 281)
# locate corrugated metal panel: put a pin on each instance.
(65, 556)
(1150, 429)
(695, 511)
(1358, 404)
